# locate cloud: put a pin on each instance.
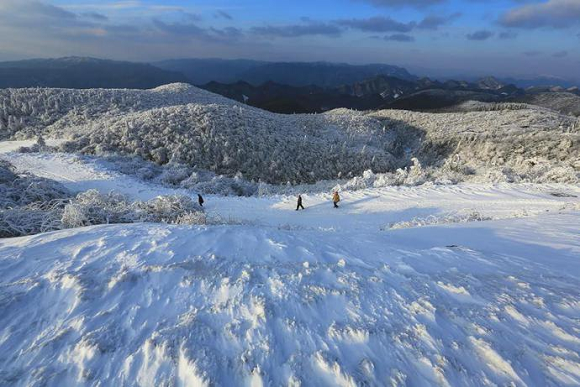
(553, 14)
(22, 10)
(508, 35)
(190, 17)
(226, 33)
(309, 28)
(377, 24)
(36, 29)
(186, 31)
(401, 3)
(26, 18)
(433, 22)
(223, 15)
(95, 16)
(480, 35)
(179, 29)
(404, 38)
(560, 54)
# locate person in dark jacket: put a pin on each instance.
(200, 200)
(299, 205)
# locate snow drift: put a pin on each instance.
(163, 305)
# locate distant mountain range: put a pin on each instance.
(541, 81)
(290, 87)
(201, 71)
(84, 73)
(324, 74)
(375, 93)
(286, 99)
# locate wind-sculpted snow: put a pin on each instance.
(182, 125)
(161, 306)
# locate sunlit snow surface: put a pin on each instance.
(316, 297)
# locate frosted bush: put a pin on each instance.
(7, 174)
(561, 175)
(39, 146)
(169, 209)
(30, 205)
(91, 208)
(460, 217)
(27, 220)
(16, 191)
(183, 125)
(264, 189)
(226, 186)
(134, 166)
(174, 175)
(414, 174)
(191, 218)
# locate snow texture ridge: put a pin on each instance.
(166, 305)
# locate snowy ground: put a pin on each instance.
(316, 297)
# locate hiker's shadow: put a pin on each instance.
(359, 201)
(343, 203)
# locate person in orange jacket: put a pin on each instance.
(335, 199)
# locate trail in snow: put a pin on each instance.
(373, 208)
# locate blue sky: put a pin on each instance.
(432, 37)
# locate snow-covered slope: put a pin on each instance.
(182, 124)
(516, 145)
(467, 284)
(561, 101)
(28, 112)
(492, 303)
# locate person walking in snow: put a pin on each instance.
(200, 200)
(299, 205)
(335, 199)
